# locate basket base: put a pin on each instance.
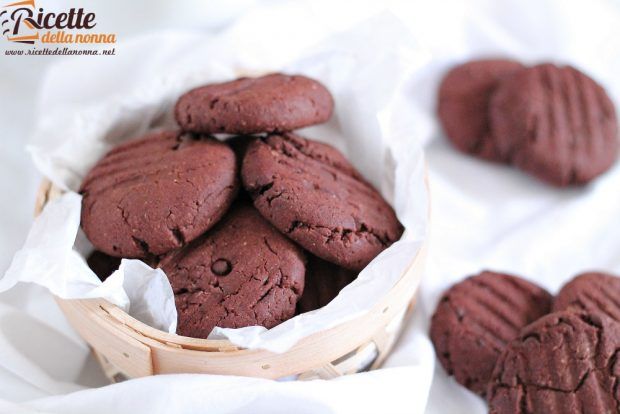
(365, 358)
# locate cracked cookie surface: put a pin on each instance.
(555, 123)
(311, 193)
(475, 320)
(157, 193)
(564, 363)
(270, 103)
(592, 292)
(243, 272)
(464, 96)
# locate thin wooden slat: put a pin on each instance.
(328, 371)
(307, 376)
(183, 342)
(42, 196)
(108, 337)
(110, 371)
(384, 342)
(354, 362)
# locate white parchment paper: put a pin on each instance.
(94, 109)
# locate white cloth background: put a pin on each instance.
(483, 216)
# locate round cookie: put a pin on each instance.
(464, 96)
(555, 123)
(564, 363)
(475, 320)
(270, 103)
(311, 193)
(591, 292)
(151, 195)
(324, 281)
(241, 273)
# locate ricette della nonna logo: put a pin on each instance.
(24, 22)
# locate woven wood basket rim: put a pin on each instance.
(159, 346)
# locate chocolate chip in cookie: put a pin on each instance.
(243, 272)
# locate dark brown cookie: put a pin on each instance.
(591, 292)
(269, 103)
(102, 264)
(324, 281)
(311, 193)
(555, 123)
(241, 273)
(475, 320)
(464, 96)
(564, 363)
(149, 196)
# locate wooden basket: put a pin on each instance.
(127, 348)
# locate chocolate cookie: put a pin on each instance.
(564, 363)
(324, 281)
(102, 264)
(555, 123)
(464, 96)
(311, 193)
(591, 292)
(241, 273)
(475, 320)
(149, 196)
(269, 103)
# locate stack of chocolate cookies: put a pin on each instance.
(553, 122)
(510, 341)
(240, 226)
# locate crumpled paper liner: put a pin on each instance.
(126, 96)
